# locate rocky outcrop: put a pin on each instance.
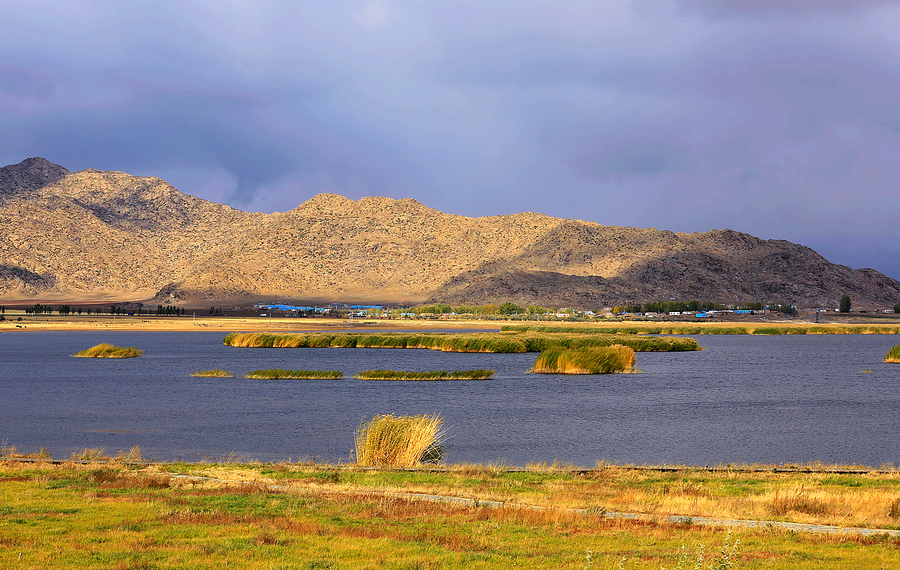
(30, 174)
(95, 233)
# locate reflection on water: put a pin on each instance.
(746, 399)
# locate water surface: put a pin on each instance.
(746, 399)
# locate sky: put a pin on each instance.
(779, 118)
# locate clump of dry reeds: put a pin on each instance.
(106, 350)
(602, 360)
(400, 441)
(893, 354)
(91, 454)
(135, 454)
(13, 451)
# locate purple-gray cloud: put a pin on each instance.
(778, 119)
(738, 8)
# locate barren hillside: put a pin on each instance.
(94, 234)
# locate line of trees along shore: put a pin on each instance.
(511, 309)
(161, 310)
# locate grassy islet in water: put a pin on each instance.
(602, 360)
(106, 350)
(279, 374)
(430, 375)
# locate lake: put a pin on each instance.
(745, 399)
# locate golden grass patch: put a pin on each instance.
(106, 350)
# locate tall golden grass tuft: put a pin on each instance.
(106, 350)
(133, 455)
(400, 441)
(602, 360)
(91, 454)
(893, 354)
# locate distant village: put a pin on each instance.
(509, 311)
(653, 311)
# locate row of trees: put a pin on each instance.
(695, 306)
(39, 309)
(846, 303)
(507, 309)
(169, 311)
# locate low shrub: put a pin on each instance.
(278, 374)
(603, 360)
(893, 355)
(400, 441)
(433, 375)
(106, 350)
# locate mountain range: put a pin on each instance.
(104, 235)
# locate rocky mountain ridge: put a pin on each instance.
(100, 234)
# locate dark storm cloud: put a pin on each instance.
(162, 131)
(722, 8)
(772, 118)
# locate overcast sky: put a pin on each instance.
(780, 118)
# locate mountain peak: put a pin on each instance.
(30, 174)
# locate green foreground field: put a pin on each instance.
(110, 514)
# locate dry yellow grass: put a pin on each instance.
(601, 360)
(893, 354)
(106, 350)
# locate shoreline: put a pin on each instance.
(783, 469)
(231, 324)
(152, 323)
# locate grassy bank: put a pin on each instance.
(279, 374)
(105, 350)
(512, 342)
(429, 375)
(604, 360)
(112, 515)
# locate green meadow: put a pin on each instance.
(111, 514)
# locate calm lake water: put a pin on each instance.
(746, 399)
